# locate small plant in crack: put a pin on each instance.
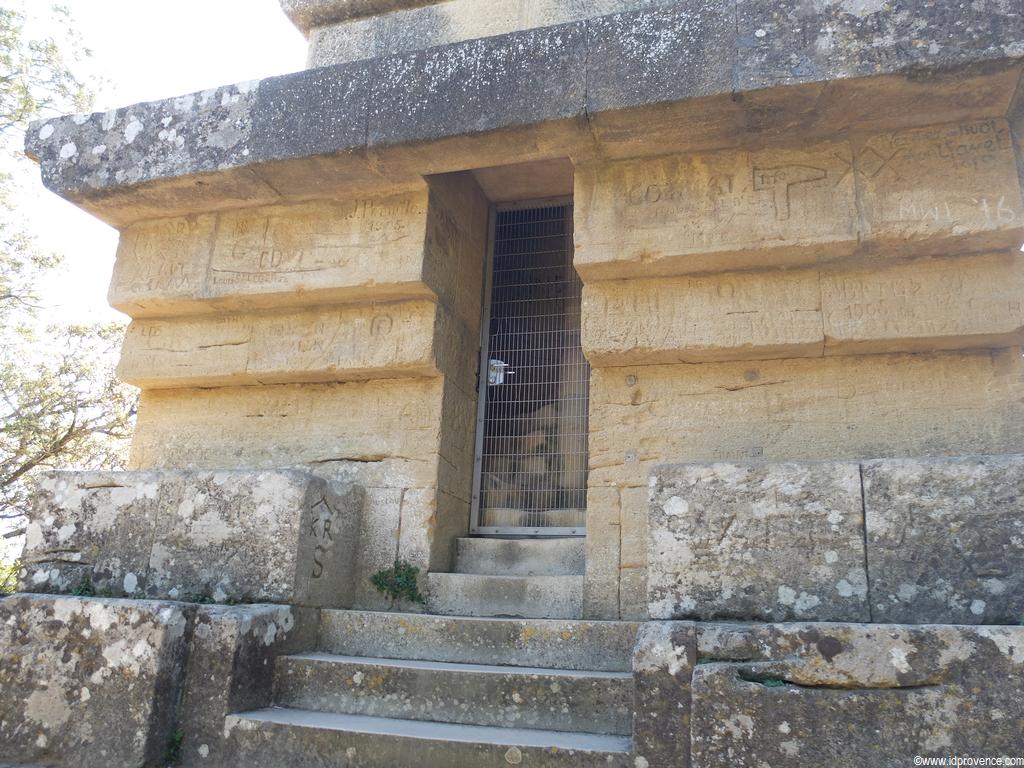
(399, 582)
(173, 756)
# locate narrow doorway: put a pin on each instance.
(531, 444)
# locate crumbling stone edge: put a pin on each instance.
(782, 694)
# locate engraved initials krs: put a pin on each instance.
(322, 516)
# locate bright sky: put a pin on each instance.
(146, 50)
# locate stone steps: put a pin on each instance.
(520, 557)
(549, 643)
(471, 694)
(270, 738)
(470, 594)
(388, 690)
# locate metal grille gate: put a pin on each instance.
(531, 454)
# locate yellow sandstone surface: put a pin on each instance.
(903, 306)
(287, 255)
(933, 191)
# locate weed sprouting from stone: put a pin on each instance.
(197, 597)
(399, 582)
(85, 588)
(174, 747)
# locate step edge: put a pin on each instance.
(455, 666)
(540, 540)
(407, 616)
(506, 577)
(435, 731)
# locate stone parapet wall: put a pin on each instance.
(94, 681)
(274, 536)
(90, 682)
(828, 694)
(915, 541)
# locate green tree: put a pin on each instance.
(60, 403)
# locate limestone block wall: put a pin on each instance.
(902, 541)
(254, 536)
(99, 681)
(90, 682)
(785, 694)
(857, 298)
(331, 334)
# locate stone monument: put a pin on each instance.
(777, 517)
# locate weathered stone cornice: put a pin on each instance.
(710, 74)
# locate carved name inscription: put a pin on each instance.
(162, 257)
(719, 211)
(357, 338)
(694, 318)
(945, 180)
(279, 249)
(320, 345)
(732, 210)
(320, 521)
(733, 196)
(701, 197)
(982, 295)
(277, 245)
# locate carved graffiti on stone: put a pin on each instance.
(321, 519)
(780, 180)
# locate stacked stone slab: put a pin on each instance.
(850, 299)
(252, 685)
(71, 668)
(330, 334)
(840, 694)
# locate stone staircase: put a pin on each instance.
(523, 578)
(431, 691)
(463, 686)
